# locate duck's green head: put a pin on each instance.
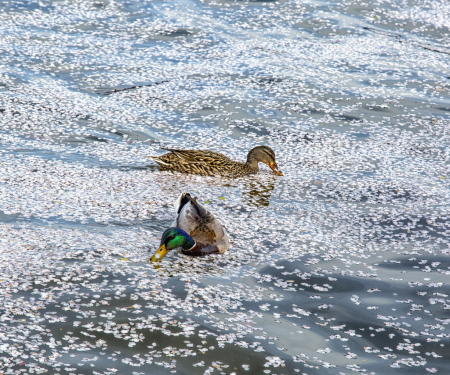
(171, 239)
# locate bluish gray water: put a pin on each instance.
(339, 266)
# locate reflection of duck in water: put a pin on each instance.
(209, 163)
(257, 193)
(195, 230)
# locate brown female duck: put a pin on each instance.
(210, 163)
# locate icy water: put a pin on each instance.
(339, 266)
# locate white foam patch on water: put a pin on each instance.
(338, 266)
(434, 13)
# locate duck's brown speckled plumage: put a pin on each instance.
(210, 163)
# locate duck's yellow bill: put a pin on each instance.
(161, 253)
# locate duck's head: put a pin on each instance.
(171, 239)
(263, 154)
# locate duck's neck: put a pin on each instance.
(252, 162)
(189, 244)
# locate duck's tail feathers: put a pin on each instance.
(186, 198)
(159, 161)
(180, 202)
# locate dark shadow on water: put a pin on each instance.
(379, 109)
(94, 138)
(271, 80)
(350, 117)
(180, 32)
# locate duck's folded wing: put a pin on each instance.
(201, 224)
(192, 216)
(185, 155)
(198, 156)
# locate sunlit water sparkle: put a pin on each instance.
(339, 266)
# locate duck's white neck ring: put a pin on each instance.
(195, 244)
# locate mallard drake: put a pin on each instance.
(210, 163)
(195, 230)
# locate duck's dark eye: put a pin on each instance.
(168, 239)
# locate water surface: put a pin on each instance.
(339, 266)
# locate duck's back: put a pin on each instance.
(201, 162)
(201, 225)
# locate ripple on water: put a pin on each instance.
(339, 266)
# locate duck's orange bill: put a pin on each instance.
(275, 170)
(161, 253)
